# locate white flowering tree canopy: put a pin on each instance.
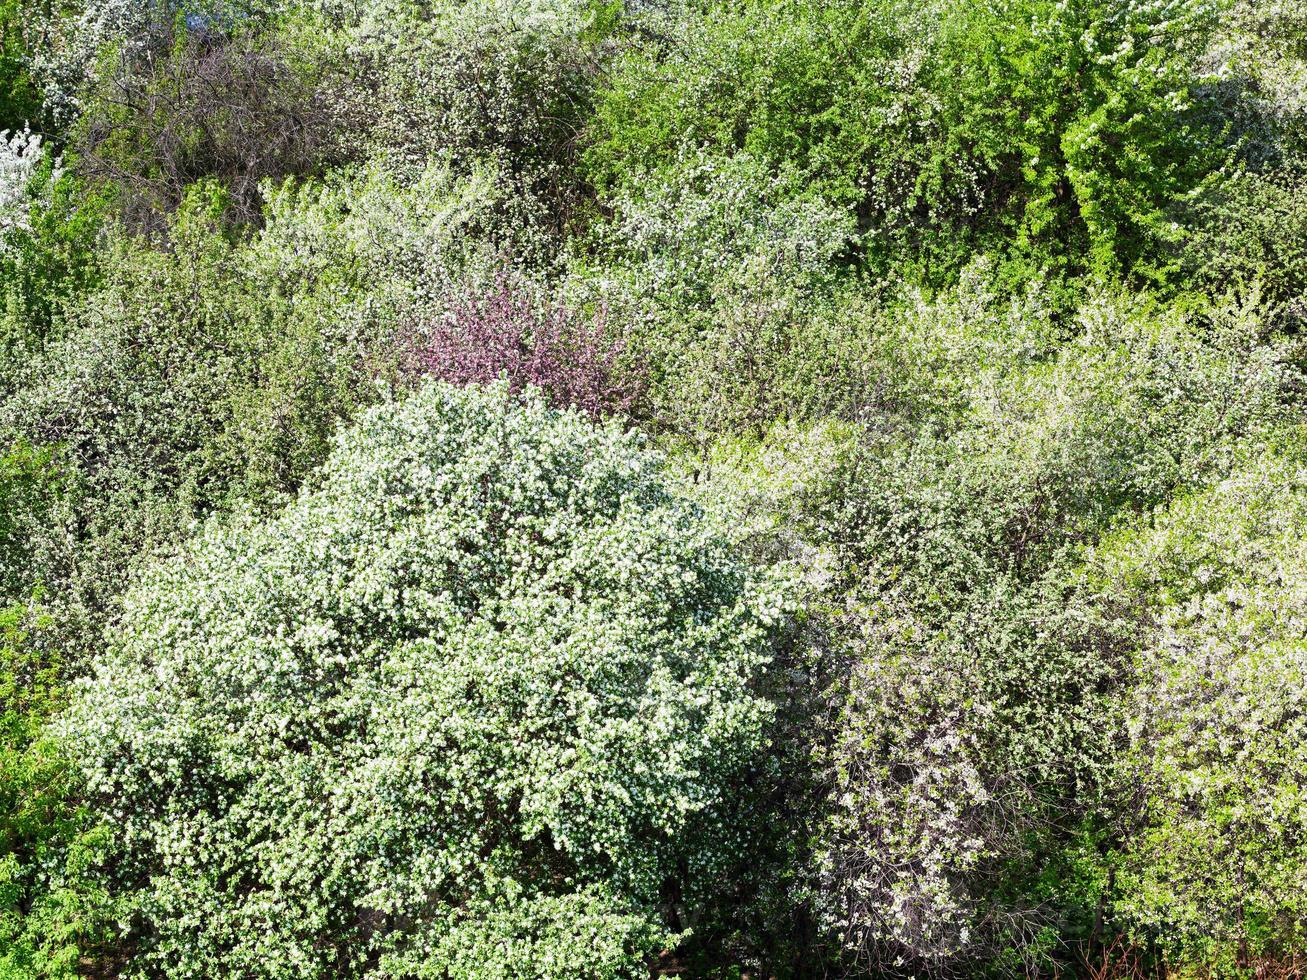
(459, 710)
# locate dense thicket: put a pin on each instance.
(570, 488)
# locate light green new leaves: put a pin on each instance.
(1217, 721)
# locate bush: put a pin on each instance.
(77, 47)
(1260, 46)
(31, 485)
(481, 339)
(974, 736)
(20, 156)
(216, 370)
(135, 394)
(504, 85)
(53, 910)
(728, 291)
(20, 100)
(1250, 229)
(49, 227)
(1062, 130)
(235, 110)
(710, 224)
(467, 707)
(375, 242)
(1212, 783)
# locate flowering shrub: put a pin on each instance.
(20, 155)
(1251, 229)
(69, 58)
(1213, 783)
(53, 910)
(1062, 130)
(1259, 46)
(975, 725)
(970, 319)
(20, 101)
(720, 280)
(711, 223)
(500, 86)
(373, 240)
(221, 367)
(463, 709)
(30, 486)
(573, 362)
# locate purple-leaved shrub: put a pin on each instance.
(572, 359)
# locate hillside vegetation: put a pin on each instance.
(593, 489)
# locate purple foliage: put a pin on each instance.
(572, 361)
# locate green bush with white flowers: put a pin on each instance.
(468, 706)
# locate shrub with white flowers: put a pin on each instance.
(468, 707)
(716, 222)
(1214, 779)
(498, 86)
(75, 37)
(974, 730)
(719, 278)
(20, 155)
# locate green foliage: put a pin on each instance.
(424, 708)
(1060, 129)
(217, 371)
(47, 260)
(500, 86)
(53, 911)
(1251, 230)
(234, 109)
(728, 293)
(980, 322)
(1213, 779)
(31, 484)
(20, 100)
(974, 719)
